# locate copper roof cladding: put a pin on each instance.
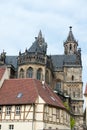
(2, 71)
(26, 91)
(85, 93)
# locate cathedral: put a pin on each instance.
(59, 75)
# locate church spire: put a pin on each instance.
(40, 34)
(70, 45)
(70, 37)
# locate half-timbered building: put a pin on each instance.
(31, 105)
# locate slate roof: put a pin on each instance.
(2, 71)
(11, 60)
(59, 60)
(29, 89)
(35, 48)
(39, 45)
(70, 37)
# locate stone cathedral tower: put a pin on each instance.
(72, 82)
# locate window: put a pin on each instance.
(58, 86)
(21, 73)
(72, 77)
(70, 47)
(47, 77)
(39, 72)
(0, 109)
(29, 72)
(18, 109)
(73, 107)
(8, 110)
(57, 113)
(11, 127)
(74, 95)
(19, 95)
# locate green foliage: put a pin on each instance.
(72, 122)
(66, 105)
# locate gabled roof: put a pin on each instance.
(2, 71)
(26, 91)
(59, 60)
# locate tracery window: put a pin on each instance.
(21, 74)
(39, 73)
(47, 77)
(30, 72)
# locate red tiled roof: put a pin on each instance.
(85, 93)
(2, 70)
(30, 90)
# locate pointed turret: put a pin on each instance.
(70, 37)
(39, 45)
(70, 45)
(40, 35)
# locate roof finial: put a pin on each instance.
(40, 34)
(70, 28)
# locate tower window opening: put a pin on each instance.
(70, 47)
(72, 77)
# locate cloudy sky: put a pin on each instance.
(21, 20)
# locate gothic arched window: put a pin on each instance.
(39, 73)
(21, 73)
(47, 77)
(30, 72)
(58, 86)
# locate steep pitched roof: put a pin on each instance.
(26, 91)
(11, 60)
(59, 60)
(39, 46)
(2, 71)
(70, 36)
